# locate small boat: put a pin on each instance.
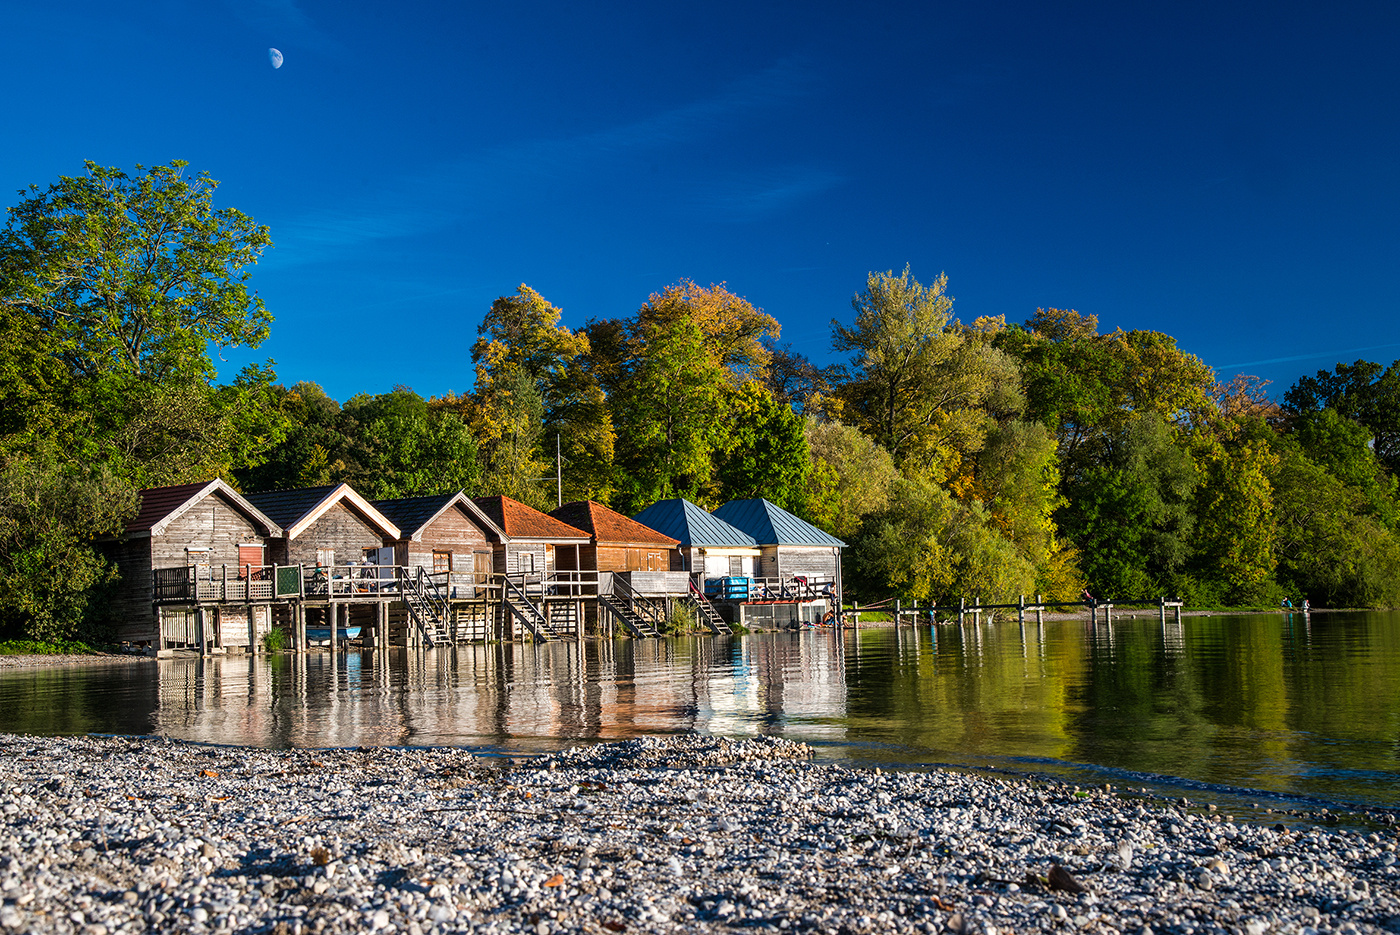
(320, 634)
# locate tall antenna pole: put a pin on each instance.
(559, 468)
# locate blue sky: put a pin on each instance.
(1223, 172)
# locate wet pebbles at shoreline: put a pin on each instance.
(108, 835)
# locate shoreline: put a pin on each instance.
(103, 835)
(60, 660)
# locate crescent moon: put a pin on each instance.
(275, 58)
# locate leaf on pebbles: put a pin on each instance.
(556, 880)
(1060, 879)
(614, 926)
(208, 774)
(942, 904)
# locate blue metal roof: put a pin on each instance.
(770, 524)
(683, 520)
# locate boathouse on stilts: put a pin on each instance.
(194, 571)
(641, 575)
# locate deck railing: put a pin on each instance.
(216, 584)
(239, 584)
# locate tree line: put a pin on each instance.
(983, 459)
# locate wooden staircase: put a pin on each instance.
(634, 622)
(427, 607)
(709, 617)
(515, 602)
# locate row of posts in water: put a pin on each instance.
(929, 613)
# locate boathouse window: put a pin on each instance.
(736, 566)
(325, 557)
(442, 561)
(525, 563)
(250, 554)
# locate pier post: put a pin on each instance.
(1021, 610)
(962, 609)
(1093, 614)
(1107, 614)
(898, 612)
(199, 631)
(1039, 609)
(1162, 609)
(1178, 610)
(299, 628)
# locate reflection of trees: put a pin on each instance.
(1266, 701)
(116, 699)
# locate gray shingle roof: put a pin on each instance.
(683, 520)
(410, 513)
(285, 507)
(770, 524)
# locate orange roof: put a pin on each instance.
(609, 525)
(521, 522)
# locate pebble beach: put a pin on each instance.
(103, 835)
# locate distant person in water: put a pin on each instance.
(1286, 604)
(1306, 606)
(1089, 598)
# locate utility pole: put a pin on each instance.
(559, 468)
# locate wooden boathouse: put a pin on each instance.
(641, 576)
(193, 570)
(206, 568)
(538, 563)
(798, 578)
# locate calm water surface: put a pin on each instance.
(1283, 705)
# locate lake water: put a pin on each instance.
(1266, 708)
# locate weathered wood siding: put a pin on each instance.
(508, 556)
(339, 528)
(622, 558)
(453, 532)
(132, 607)
(211, 524)
(792, 561)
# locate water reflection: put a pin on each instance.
(525, 696)
(1270, 702)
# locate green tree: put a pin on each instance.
(1130, 511)
(50, 573)
(926, 545)
(766, 452)
(851, 477)
(314, 449)
(668, 412)
(921, 386)
(521, 342)
(136, 276)
(1328, 548)
(737, 335)
(404, 447)
(1235, 531)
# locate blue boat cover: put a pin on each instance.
(683, 520)
(770, 524)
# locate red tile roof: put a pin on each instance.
(521, 522)
(609, 525)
